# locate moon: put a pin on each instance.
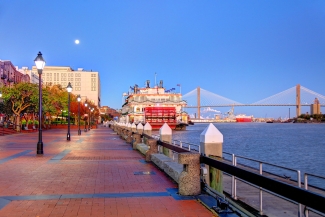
(77, 41)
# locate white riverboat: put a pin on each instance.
(154, 105)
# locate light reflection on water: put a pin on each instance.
(297, 146)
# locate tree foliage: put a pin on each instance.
(22, 98)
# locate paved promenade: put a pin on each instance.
(95, 174)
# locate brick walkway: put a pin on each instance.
(95, 174)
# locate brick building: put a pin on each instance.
(10, 75)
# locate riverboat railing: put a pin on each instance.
(234, 178)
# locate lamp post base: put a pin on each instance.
(85, 130)
(79, 132)
(68, 137)
(40, 147)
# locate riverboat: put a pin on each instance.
(154, 105)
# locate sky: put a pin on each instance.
(242, 50)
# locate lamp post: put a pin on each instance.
(89, 118)
(61, 116)
(69, 89)
(79, 99)
(86, 104)
(40, 63)
(92, 115)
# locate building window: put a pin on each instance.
(93, 75)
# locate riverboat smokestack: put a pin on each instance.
(148, 83)
(135, 88)
(161, 84)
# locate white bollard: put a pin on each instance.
(211, 141)
(165, 133)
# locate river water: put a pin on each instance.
(297, 146)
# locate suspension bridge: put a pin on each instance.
(296, 96)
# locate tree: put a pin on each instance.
(20, 97)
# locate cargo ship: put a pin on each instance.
(154, 105)
(244, 118)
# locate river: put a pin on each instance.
(297, 146)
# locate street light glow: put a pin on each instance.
(39, 61)
(69, 87)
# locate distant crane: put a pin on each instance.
(230, 113)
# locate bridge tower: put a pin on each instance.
(198, 103)
(298, 106)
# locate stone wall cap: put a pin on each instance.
(147, 126)
(133, 125)
(165, 130)
(211, 135)
(140, 126)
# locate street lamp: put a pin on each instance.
(69, 89)
(89, 118)
(86, 104)
(79, 99)
(92, 114)
(40, 63)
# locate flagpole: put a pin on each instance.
(155, 79)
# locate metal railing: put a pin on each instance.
(234, 179)
(179, 143)
(307, 209)
(295, 194)
(196, 148)
(278, 188)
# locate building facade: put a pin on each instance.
(10, 75)
(34, 78)
(105, 110)
(85, 83)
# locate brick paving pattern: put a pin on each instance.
(95, 174)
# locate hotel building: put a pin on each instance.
(85, 83)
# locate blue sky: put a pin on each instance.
(242, 50)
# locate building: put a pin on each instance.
(315, 108)
(85, 83)
(34, 78)
(10, 75)
(105, 110)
